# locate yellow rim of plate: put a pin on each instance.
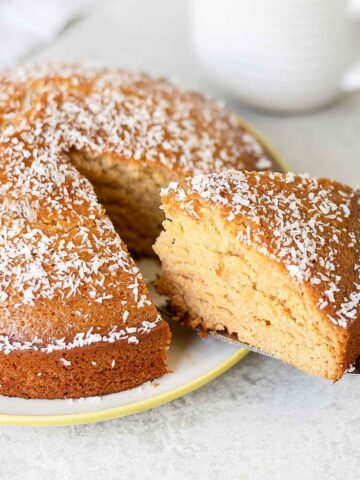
(123, 410)
(270, 150)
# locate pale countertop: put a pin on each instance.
(262, 419)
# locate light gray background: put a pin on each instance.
(262, 419)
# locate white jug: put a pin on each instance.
(278, 55)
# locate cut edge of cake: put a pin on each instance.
(270, 257)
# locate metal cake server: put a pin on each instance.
(232, 340)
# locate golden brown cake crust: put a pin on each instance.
(131, 116)
(64, 268)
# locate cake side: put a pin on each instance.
(99, 368)
(221, 270)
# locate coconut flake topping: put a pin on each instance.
(132, 115)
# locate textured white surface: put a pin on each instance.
(261, 420)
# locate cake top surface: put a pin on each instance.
(130, 115)
(311, 226)
(66, 278)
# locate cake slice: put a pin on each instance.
(271, 258)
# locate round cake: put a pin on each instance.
(76, 144)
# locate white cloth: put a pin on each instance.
(26, 25)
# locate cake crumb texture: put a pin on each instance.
(272, 258)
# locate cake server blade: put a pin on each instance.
(232, 340)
